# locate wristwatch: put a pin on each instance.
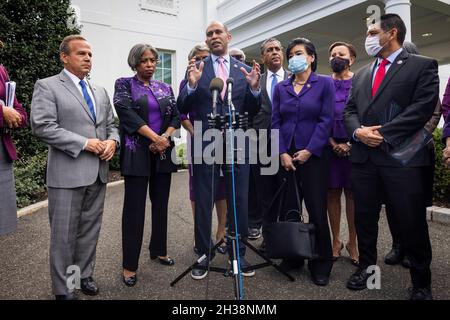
(165, 135)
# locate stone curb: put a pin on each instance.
(438, 214)
(44, 204)
(435, 214)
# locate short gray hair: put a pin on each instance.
(237, 51)
(198, 48)
(136, 53)
(263, 45)
(64, 47)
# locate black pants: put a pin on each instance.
(134, 216)
(405, 194)
(428, 174)
(312, 179)
(204, 189)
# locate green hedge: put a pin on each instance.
(32, 31)
(441, 189)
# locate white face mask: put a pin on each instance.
(373, 46)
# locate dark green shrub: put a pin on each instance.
(441, 189)
(32, 31)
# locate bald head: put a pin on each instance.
(217, 38)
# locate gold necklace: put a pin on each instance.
(298, 83)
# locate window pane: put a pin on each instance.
(158, 74)
(168, 76)
(167, 61)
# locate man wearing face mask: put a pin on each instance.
(391, 101)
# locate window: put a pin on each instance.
(164, 68)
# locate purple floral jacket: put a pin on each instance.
(131, 104)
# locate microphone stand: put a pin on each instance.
(228, 124)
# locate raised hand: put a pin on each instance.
(253, 76)
(194, 73)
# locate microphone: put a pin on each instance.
(216, 87)
(230, 83)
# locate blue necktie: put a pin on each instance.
(274, 83)
(88, 99)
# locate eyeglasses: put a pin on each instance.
(238, 57)
(198, 59)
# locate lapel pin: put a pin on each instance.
(399, 61)
(308, 85)
(235, 66)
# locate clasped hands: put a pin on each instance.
(103, 149)
(160, 145)
(446, 154)
(11, 117)
(341, 149)
(370, 136)
(300, 157)
(252, 77)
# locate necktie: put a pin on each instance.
(222, 74)
(88, 99)
(274, 83)
(381, 72)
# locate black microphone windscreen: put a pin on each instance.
(230, 80)
(216, 84)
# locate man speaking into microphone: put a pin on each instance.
(197, 98)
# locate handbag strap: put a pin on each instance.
(297, 195)
(277, 194)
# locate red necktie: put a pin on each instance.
(381, 72)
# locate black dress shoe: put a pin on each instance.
(89, 287)
(358, 280)
(69, 296)
(421, 294)
(165, 261)
(320, 280)
(395, 256)
(129, 281)
(254, 233)
(406, 263)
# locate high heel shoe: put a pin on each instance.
(165, 261)
(129, 281)
(355, 262)
(339, 252)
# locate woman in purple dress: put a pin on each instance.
(342, 57)
(148, 116)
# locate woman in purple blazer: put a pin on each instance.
(11, 118)
(303, 107)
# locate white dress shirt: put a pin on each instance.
(280, 77)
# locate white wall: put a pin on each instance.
(114, 26)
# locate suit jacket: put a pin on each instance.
(412, 84)
(307, 117)
(61, 118)
(200, 101)
(263, 119)
(133, 114)
(5, 132)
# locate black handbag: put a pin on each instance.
(290, 237)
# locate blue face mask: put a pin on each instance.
(298, 64)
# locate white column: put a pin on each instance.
(403, 9)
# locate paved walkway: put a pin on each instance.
(24, 271)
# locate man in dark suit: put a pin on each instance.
(391, 101)
(263, 187)
(195, 97)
